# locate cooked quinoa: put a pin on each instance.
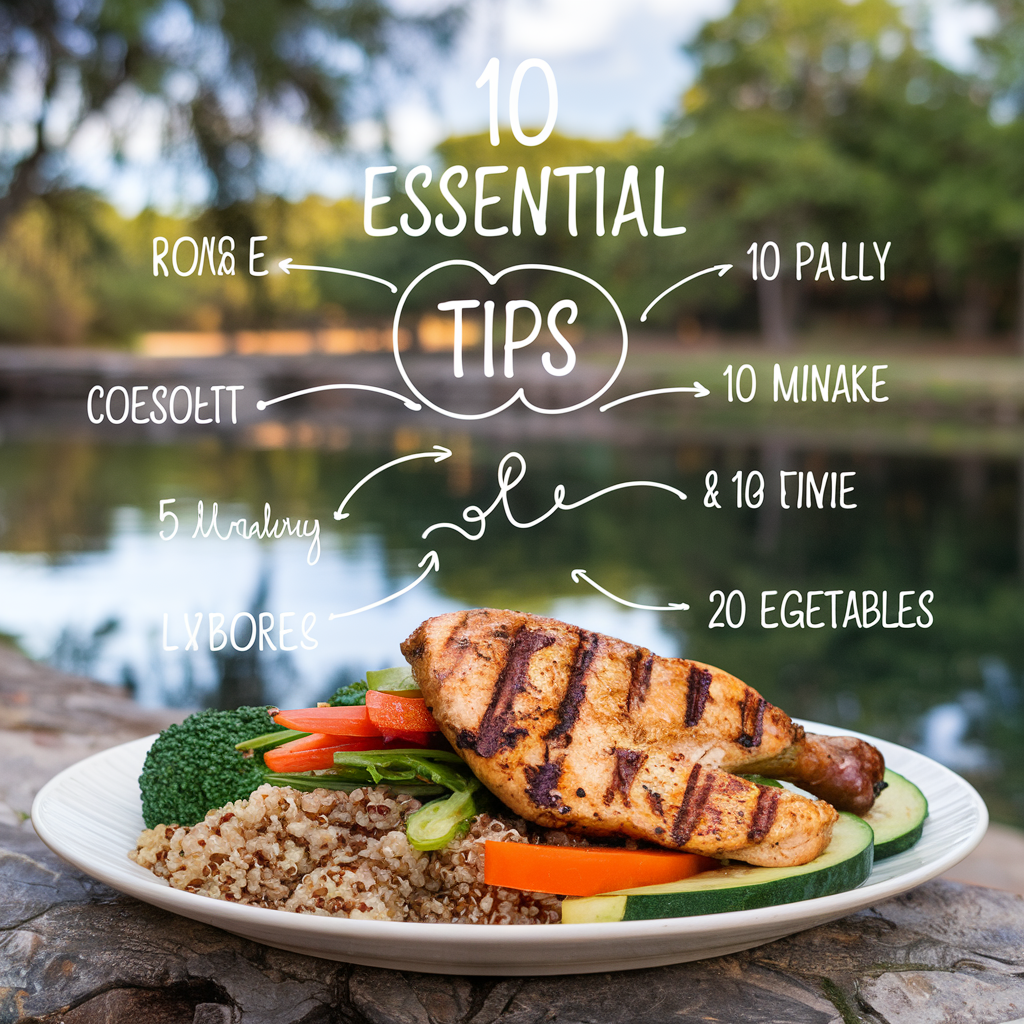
(339, 854)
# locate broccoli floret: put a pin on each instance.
(193, 767)
(349, 696)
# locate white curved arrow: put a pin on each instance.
(407, 402)
(581, 574)
(722, 269)
(698, 389)
(439, 454)
(287, 266)
(435, 564)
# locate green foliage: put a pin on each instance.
(803, 58)
(193, 767)
(1003, 50)
(215, 75)
(73, 271)
(809, 120)
(819, 119)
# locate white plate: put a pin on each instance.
(90, 815)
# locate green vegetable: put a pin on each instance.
(269, 740)
(308, 781)
(348, 696)
(897, 817)
(435, 824)
(196, 767)
(844, 865)
(392, 680)
(762, 780)
(442, 767)
(193, 767)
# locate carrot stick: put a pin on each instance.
(316, 740)
(585, 870)
(391, 713)
(345, 721)
(312, 759)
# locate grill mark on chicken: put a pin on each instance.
(492, 694)
(494, 732)
(752, 716)
(764, 813)
(698, 686)
(542, 779)
(639, 678)
(456, 637)
(627, 764)
(694, 798)
(654, 802)
(569, 708)
(458, 643)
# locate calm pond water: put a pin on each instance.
(86, 581)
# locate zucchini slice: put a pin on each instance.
(845, 864)
(897, 817)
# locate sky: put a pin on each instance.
(619, 67)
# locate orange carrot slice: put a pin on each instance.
(585, 870)
(314, 752)
(393, 714)
(316, 740)
(351, 721)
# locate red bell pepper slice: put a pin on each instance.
(393, 714)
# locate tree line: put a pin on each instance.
(808, 122)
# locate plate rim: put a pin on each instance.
(729, 925)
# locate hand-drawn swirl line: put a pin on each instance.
(407, 402)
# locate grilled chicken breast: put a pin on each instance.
(576, 730)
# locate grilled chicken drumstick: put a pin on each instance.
(576, 730)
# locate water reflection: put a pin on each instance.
(101, 614)
(950, 731)
(87, 581)
(943, 737)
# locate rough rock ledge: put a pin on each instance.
(76, 952)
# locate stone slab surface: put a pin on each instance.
(51, 720)
(74, 951)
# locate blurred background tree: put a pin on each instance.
(210, 78)
(813, 120)
(1002, 74)
(825, 120)
(756, 126)
(208, 82)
